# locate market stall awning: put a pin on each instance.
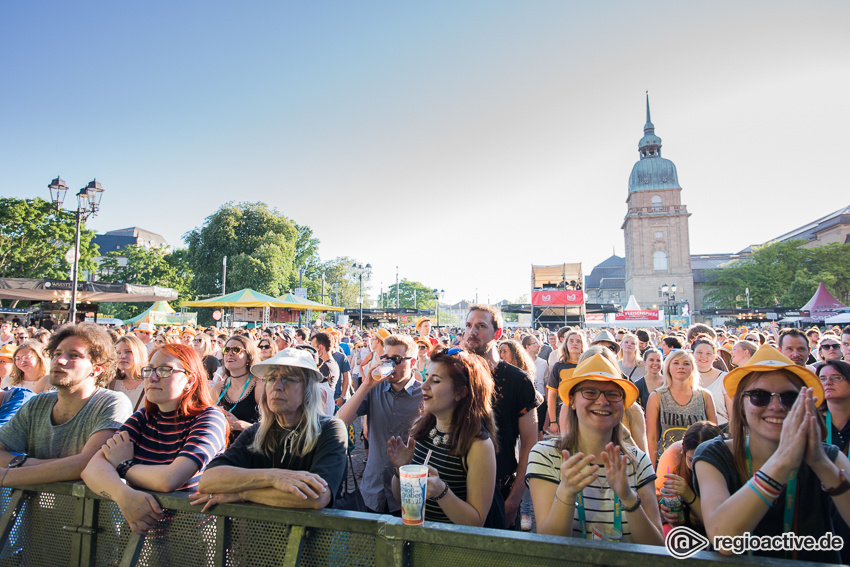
(242, 298)
(36, 289)
(161, 313)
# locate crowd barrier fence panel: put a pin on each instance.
(66, 524)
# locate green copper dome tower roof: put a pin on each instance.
(652, 172)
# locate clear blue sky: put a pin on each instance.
(461, 141)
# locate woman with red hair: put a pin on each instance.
(164, 446)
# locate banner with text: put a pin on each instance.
(557, 297)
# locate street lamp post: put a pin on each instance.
(669, 292)
(360, 270)
(438, 293)
(88, 204)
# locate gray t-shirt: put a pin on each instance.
(31, 431)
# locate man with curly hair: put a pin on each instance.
(56, 432)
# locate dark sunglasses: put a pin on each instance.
(197, 341)
(396, 358)
(263, 347)
(237, 350)
(832, 346)
(761, 398)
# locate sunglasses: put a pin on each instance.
(237, 350)
(761, 398)
(263, 347)
(197, 341)
(830, 346)
(396, 358)
(610, 395)
(161, 371)
(453, 351)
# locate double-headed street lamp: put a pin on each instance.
(437, 295)
(669, 291)
(88, 203)
(360, 270)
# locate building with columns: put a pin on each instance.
(656, 228)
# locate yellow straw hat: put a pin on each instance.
(599, 369)
(768, 359)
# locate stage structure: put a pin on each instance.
(557, 295)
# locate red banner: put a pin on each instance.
(642, 315)
(557, 297)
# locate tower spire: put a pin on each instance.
(649, 125)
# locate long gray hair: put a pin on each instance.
(303, 439)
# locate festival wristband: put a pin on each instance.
(633, 508)
(759, 494)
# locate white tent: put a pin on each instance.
(840, 319)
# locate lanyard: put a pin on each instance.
(582, 519)
(790, 493)
(242, 393)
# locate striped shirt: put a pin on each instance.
(544, 463)
(162, 437)
(451, 470)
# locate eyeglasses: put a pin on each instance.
(761, 398)
(610, 395)
(284, 381)
(21, 336)
(264, 347)
(237, 350)
(161, 371)
(24, 357)
(834, 378)
(197, 341)
(832, 346)
(396, 358)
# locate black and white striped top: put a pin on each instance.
(451, 471)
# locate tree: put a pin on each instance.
(34, 238)
(145, 266)
(412, 295)
(782, 273)
(261, 246)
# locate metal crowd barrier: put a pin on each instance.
(66, 524)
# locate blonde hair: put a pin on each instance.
(304, 438)
(43, 362)
(693, 379)
(629, 334)
(140, 356)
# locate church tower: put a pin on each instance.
(656, 228)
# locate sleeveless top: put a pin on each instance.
(675, 418)
(245, 409)
(451, 471)
(717, 393)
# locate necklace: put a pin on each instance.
(438, 437)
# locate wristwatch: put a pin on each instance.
(17, 461)
(124, 466)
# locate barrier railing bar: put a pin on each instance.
(294, 546)
(393, 539)
(7, 521)
(133, 550)
(222, 540)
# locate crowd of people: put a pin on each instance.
(615, 434)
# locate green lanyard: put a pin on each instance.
(582, 519)
(790, 493)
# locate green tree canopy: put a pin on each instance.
(411, 295)
(145, 266)
(262, 246)
(34, 238)
(781, 274)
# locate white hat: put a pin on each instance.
(147, 327)
(288, 357)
